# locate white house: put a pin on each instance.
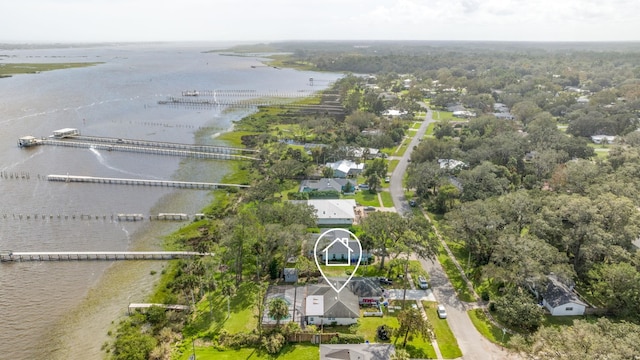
(603, 139)
(340, 250)
(338, 247)
(333, 211)
(560, 300)
(326, 307)
(345, 168)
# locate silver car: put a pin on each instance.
(442, 313)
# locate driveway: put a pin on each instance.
(418, 295)
(473, 345)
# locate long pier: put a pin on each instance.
(120, 181)
(147, 149)
(9, 256)
(162, 145)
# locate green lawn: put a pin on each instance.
(289, 352)
(487, 329)
(454, 276)
(234, 138)
(387, 201)
(416, 125)
(446, 341)
(366, 198)
(442, 115)
(393, 164)
(429, 132)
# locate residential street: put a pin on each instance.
(472, 343)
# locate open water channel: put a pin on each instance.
(63, 310)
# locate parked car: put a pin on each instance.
(422, 282)
(412, 203)
(442, 312)
(387, 179)
(385, 281)
(369, 208)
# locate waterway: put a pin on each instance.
(63, 310)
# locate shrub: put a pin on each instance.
(273, 343)
(485, 295)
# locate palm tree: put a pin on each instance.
(278, 309)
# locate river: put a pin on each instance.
(63, 310)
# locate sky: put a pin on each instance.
(259, 20)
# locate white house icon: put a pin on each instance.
(336, 251)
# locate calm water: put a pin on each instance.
(63, 310)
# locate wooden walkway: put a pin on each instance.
(145, 306)
(120, 181)
(147, 150)
(9, 256)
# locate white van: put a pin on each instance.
(422, 282)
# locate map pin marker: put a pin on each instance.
(338, 248)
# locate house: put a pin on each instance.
(356, 351)
(451, 164)
(560, 300)
(349, 252)
(290, 275)
(326, 307)
(362, 152)
(345, 168)
(327, 184)
(367, 290)
(603, 139)
(340, 250)
(332, 211)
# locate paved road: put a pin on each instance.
(473, 345)
(397, 192)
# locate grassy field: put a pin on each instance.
(487, 329)
(393, 164)
(454, 276)
(387, 201)
(365, 198)
(444, 337)
(442, 115)
(289, 352)
(234, 138)
(15, 69)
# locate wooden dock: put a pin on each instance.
(9, 256)
(147, 149)
(165, 183)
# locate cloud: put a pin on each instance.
(135, 20)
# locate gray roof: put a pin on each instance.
(325, 184)
(356, 351)
(363, 287)
(337, 305)
(557, 293)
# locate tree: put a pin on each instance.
(412, 323)
(618, 285)
(278, 310)
(400, 354)
(425, 177)
(519, 310)
(525, 111)
(385, 230)
(585, 340)
(373, 181)
(376, 166)
(327, 172)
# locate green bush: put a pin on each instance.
(237, 340)
(273, 343)
(350, 339)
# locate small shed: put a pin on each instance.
(290, 275)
